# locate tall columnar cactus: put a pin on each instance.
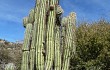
(68, 44)
(34, 34)
(57, 57)
(26, 45)
(10, 66)
(63, 37)
(73, 28)
(50, 35)
(32, 50)
(40, 36)
(45, 46)
(63, 33)
(68, 41)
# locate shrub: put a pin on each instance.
(93, 46)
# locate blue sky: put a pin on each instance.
(13, 11)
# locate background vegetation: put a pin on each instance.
(93, 47)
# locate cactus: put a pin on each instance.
(27, 34)
(59, 10)
(63, 33)
(64, 43)
(40, 36)
(32, 50)
(25, 21)
(57, 57)
(10, 66)
(58, 52)
(34, 35)
(31, 16)
(50, 35)
(67, 46)
(32, 59)
(26, 45)
(25, 60)
(68, 41)
(46, 49)
(73, 27)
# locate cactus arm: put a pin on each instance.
(57, 57)
(32, 50)
(73, 27)
(63, 37)
(26, 45)
(27, 34)
(67, 47)
(68, 41)
(31, 16)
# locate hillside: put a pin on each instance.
(9, 53)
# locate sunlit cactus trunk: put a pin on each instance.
(64, 42)
(73, 29)
(40, 35)
(50, 35)
(68, 41)
(10, 66)
(26, 45)
(34, 15)
(63, 33)
(57, 57)
(32, 50)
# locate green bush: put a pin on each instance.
(93, 47)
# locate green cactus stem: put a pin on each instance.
(32, 50)
(31, 16)
(50, 35)
(68, 42)
(26, 46)
(73, 22)
(34, 35)
(57, 57)
(40, 36)
(32, 59)
(63, 33)
(25, 61)
(27, 34)
(25, 21)
(57, 52)
(67, 46)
